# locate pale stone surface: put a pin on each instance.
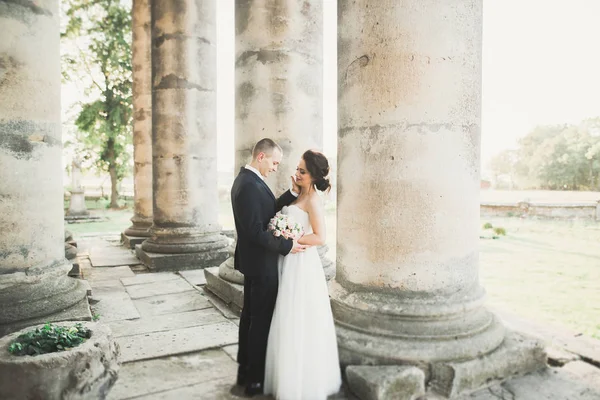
(181, 261)
(185, 233)
(176, 341)
(170, 303)
(587, 372)
(231, 351)
(549, 384)
(87, 371)
(98, 274)
(111, 256)
(216, 389)
(33, 269)
(130, 242)
(279, 80)
(111, 302)
(231, 293)
(518, 354)
(140, 378)
(229, 311)
(161, 323)
(386, 382)
(158, 288)
(559, 357)
(142, 124)
(150, 278)
(195, 277)
(406, 286)
(77, 200)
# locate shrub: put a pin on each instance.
(487, 225)
(49, 339)
(500, 231)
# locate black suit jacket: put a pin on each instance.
(257, 250)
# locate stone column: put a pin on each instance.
(185, 231)
(142, 125)
(407, 286)
(34, 286)
(279, 88)
(77, 207)
(279, 80)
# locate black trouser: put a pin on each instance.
(260, 294)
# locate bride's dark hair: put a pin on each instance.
(318, 167)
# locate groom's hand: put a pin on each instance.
(295, 186)
(298, 248)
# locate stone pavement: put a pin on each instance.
(178, 341)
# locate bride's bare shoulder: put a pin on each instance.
(315, 201)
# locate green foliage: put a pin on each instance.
(559, 157)
(100, 31)
(49, 339)
(500, 231)
(487, 225)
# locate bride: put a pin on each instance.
(302, 356)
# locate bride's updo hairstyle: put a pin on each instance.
(318, 167)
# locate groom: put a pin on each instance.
(256, 255)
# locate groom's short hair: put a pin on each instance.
(266, 146)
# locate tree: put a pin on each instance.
(99, 31)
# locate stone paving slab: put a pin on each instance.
(97, 274)
(110, 256)
(166, 322)
(232, 351)
(176, 341)
(150, 278)
(171, 303)
(158, 288)
(587, 372)
(160, 375)
(194, 276)
(112, 304)
(212, 390)
(550, 384)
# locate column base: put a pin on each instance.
(131, 241)
(385, 329)
(180, 261)
(517, 355)
(231, 293)
(43, 294)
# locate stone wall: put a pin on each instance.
(581, 210)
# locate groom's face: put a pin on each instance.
(269, 163)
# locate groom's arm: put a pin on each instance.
(248, 212)
(286, 199)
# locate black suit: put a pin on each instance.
(256, 255)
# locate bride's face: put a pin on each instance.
(303, 177)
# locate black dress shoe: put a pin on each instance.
(252, 389)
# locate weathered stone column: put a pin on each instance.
(279, 80)
(77, 207)
(407, 286)
(142, 125)
(185, 231)
(34, 286)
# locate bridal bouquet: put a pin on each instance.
(284, 225)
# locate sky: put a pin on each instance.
(541, 65)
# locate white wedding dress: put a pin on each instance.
(302, 358)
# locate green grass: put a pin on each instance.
(545, 270)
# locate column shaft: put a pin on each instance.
(142, 123)
(34, 286)
(184, 137)
(407, 287)
(279, 80)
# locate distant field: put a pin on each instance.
(542, 196)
